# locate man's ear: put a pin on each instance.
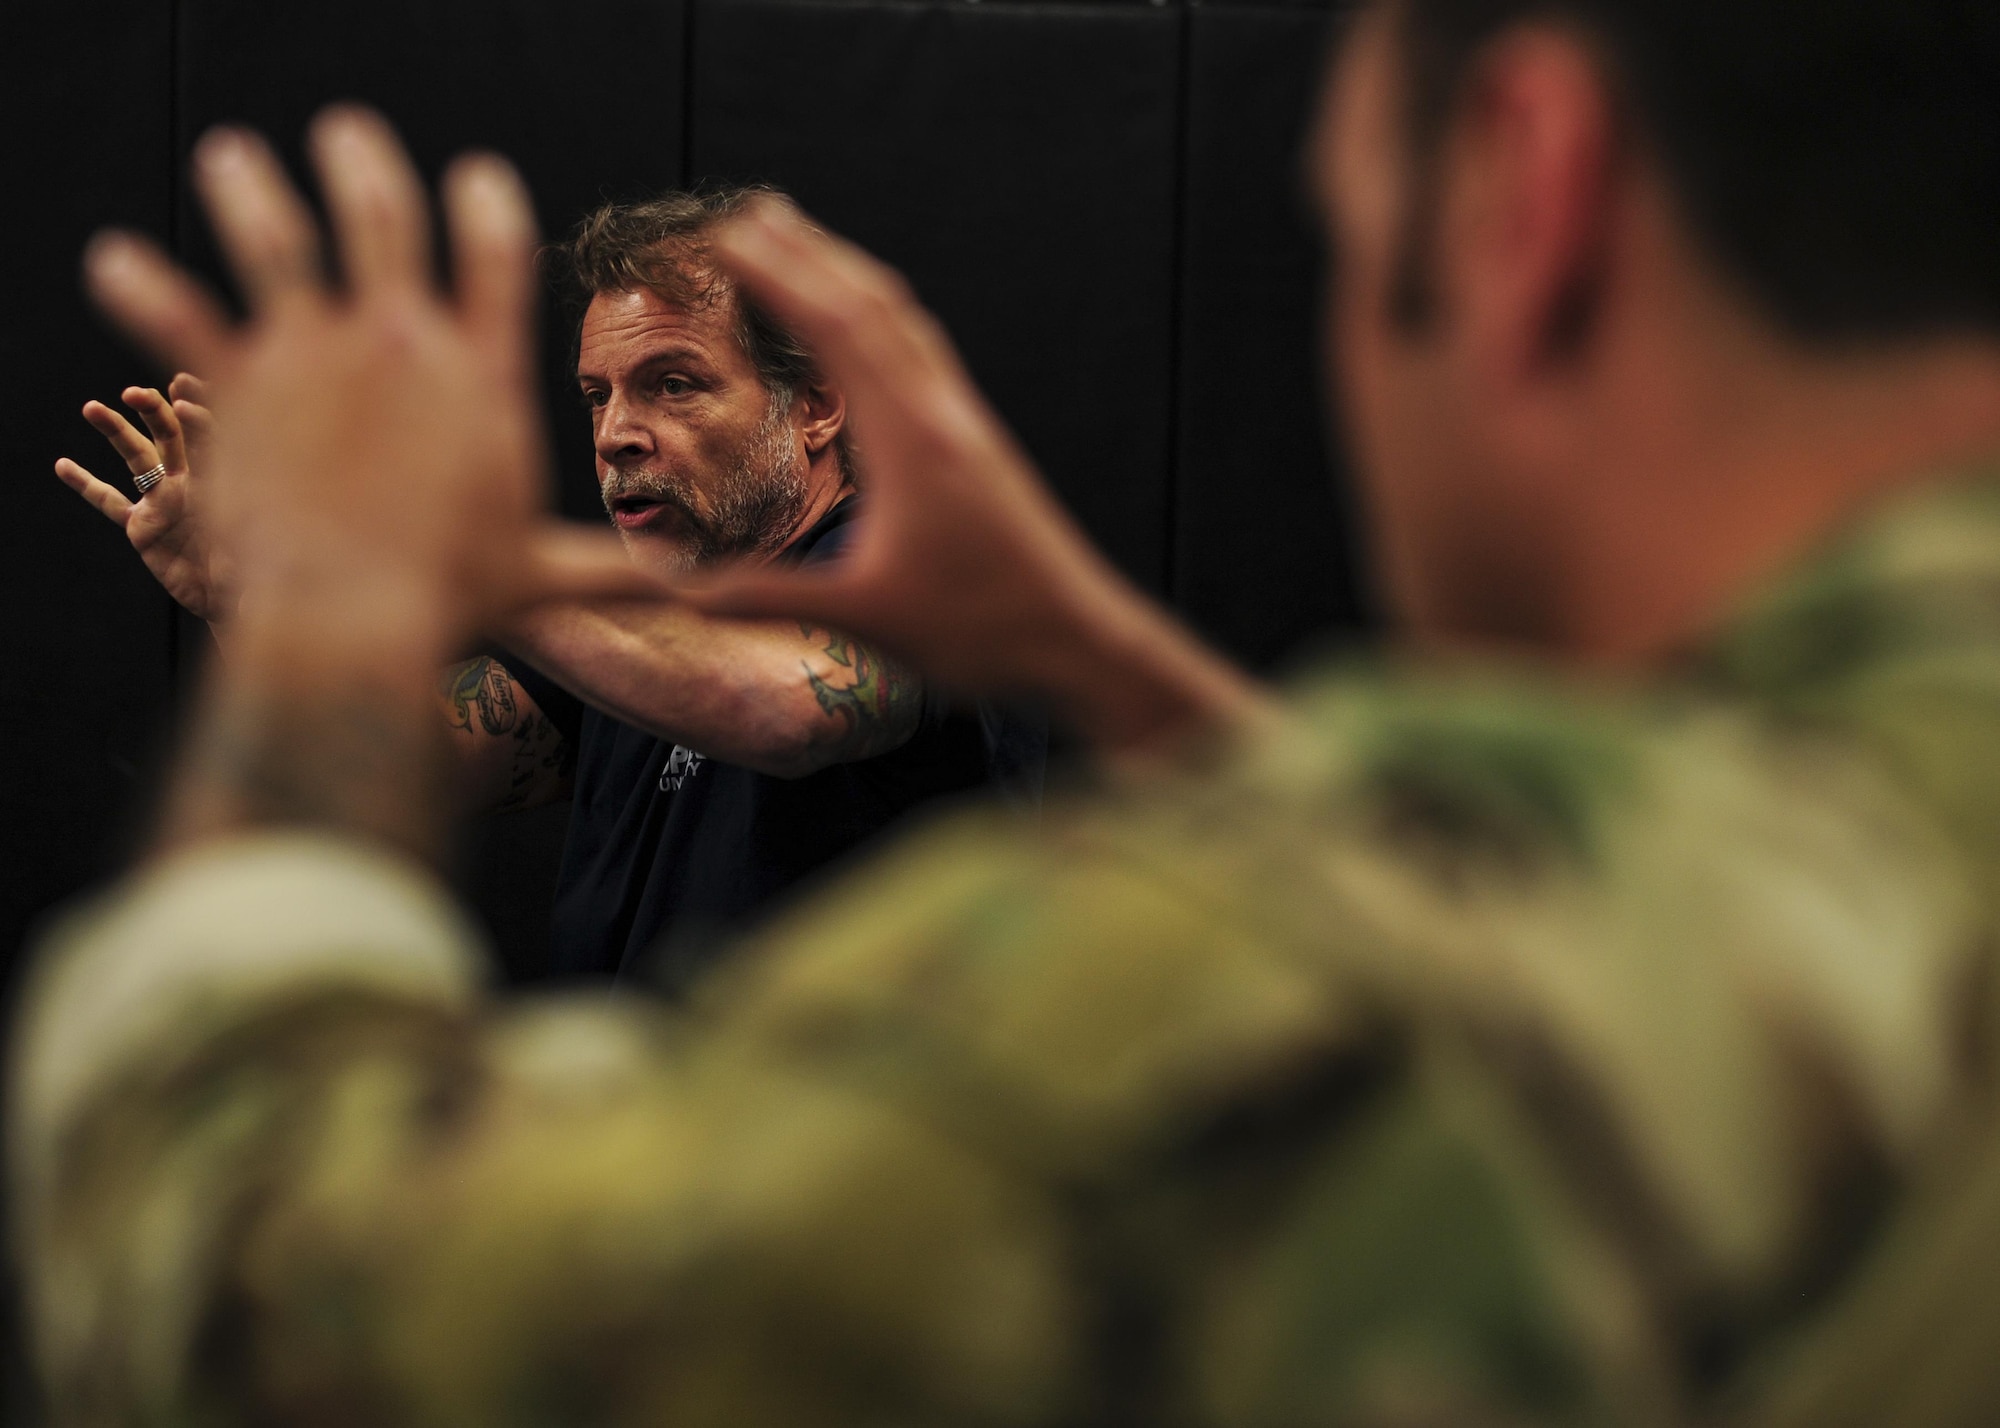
(824, 417)
(1526, 217)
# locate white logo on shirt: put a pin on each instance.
(682, 765)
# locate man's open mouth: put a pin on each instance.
(632, 512)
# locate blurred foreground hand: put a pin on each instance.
(377, 473)
(382, 440)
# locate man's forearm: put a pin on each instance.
(773, 696)
(1128, 677)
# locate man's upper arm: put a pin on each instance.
(515, 755)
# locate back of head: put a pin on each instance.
(1840, 158)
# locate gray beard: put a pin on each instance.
(754, 504)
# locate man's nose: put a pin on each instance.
(619, 435)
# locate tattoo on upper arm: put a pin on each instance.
(482, 685)
(480, 698)
(876, 699)
(543, 763)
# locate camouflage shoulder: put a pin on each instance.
(1917, 577)
(1891, 636)
(359, 1212)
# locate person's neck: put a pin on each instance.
(1725, 472)
(827, 486)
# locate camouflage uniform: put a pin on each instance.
(1474, 1051)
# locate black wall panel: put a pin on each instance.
(1264, 550)
(1018, 164)
(85, 637)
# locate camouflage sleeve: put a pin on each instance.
(152, 1082)
(277, 1161)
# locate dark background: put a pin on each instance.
(1100, 200)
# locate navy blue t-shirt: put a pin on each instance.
(669, 850)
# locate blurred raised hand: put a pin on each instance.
(164, 524)
(964, 562)
(387, 428)
(376, 472)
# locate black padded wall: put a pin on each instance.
(86, 101)
(1019, 165)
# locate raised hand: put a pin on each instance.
(164, 525)
(389, 429)
(376, 472)
(963, 563)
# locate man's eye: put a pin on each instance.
(592, 400)
(676, 386)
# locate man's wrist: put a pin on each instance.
(1132, 680)
(348, 748)
(323, 716)
(362, 616)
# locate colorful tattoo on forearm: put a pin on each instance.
(875, 699)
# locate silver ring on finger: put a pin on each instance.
(147, 480)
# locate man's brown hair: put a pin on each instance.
(661, 246)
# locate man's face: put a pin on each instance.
(695, 460)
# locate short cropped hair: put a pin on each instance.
(1839, 159)
(661, 246)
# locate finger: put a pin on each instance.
(135, 450)
(108, 500)
(492, 225)
(159, 306)
(186, 387)
(158, 414)
(374, 198)
(263, 225)
(567, 562)
(198, 422)
(857, 314)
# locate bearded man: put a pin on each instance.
(712, 764)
